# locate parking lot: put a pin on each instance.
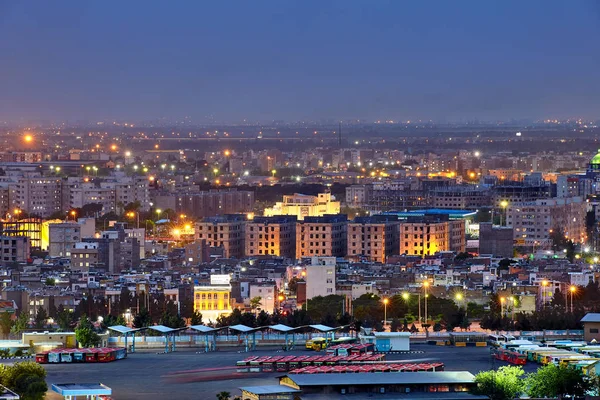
(188, 375)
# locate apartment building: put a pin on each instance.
(322, 236)
(429, 234)
(373, 238)
(39, 196)
(320, 277)
(83, 256)
(14, 249)
(225, 231)
(533, 222)
(274, 236)
(62, 238)
(460, 197)
(208, 204)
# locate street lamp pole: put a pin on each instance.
(425, 286)
(385, 303)
(572, 289)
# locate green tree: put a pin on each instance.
(41, 318)
(65, 319)
(20, 324)
(552, 381)
(27, 379)
(255, 303)
(503, 384)
(6, 323)
(196, 318)
(50, 282)
(223, 396)
(112, 320)
(142, 319)
(85, 334)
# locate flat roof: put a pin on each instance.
(162, 329)
(323, 328)
(203, 328)
(243, 328)
(591, 317)
(81, 389)
(388, 378)
(123, 329)
(269, 389)
(282, 328)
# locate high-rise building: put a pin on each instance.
(208, 204)
(274, 236)
(322, 236)
(495, 240)
(373, 238)
(225, 231)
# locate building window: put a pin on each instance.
(593, 330)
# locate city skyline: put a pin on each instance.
(278, 61)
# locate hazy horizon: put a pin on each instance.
(309, 61)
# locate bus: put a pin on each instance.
(316, 344)
(497, 340)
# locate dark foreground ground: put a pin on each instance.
(186, 375)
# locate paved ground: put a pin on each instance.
(186, 375)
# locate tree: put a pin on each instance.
(6, 323)
(552, 381)
(41, 317)
(20, 324)
(223, 396)
(142, 319)
(65, 319)
(85, 334)
(503, 384)
(50, 282)
(172, 320)
(255, 303)
(27, 379)
(111, 320)
(196, 318)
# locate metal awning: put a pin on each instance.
(124, 329)
(203, 328)
(323, 328)
(283, 328)
(243, 328)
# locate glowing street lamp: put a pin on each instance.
(73, 214)
(132, 214)
(385, 303)
(572, 290)
(28, 138)
(502, 301)
(425, 286)
(503, 204)
(544, 284)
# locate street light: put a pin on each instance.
(503, 204)
(131, 214)
(385, 303)
(544, 284)
(572, 289)
(425, 286)
(502, 300)
(73, 214)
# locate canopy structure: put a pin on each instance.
(88, 390)
(246, 331)
(126, 331)
(169, 333)
(325, 329)
(286, 330)
(207, 331)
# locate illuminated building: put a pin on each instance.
(322, 236)
(302, 205)
(374, 238)
(37, 231)
(275, 236)
(214, 299)
(431, 234)
(226, 231)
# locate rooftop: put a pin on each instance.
(388, 378)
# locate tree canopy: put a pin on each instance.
(503, 384)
